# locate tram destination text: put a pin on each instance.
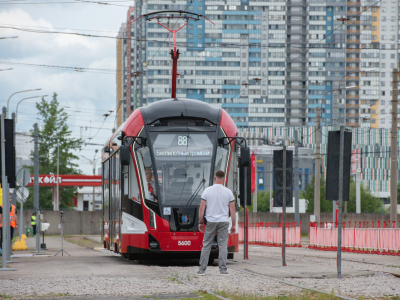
(183, 153)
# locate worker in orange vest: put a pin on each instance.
(13, 220)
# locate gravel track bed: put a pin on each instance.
(378, 285)
(331, 262)
(235, 282)
(381, 284)
(99, 285)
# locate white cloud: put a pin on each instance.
(91, 94)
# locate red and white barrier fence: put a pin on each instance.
(270, 234)
(361, 239)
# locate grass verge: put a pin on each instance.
(83, 242)
(307, 295)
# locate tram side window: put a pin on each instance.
(134, 193)
(221, 158)
(146, 170)
(106, 190)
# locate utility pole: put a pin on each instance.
(317, 176)
(57, 204)
(393, 150)
(339, 253)
(255, 184)
(358, 191)
(270, 181)
(36, 184)
(296, 179)
(284, 209)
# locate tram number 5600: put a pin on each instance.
(184, 243)
(182, 140)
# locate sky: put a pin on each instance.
(86, 96)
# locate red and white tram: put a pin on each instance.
(155, 168)
(158, 163)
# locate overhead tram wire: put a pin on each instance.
(334, 30)
(107, 3)
(28, 28)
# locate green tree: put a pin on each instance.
(308, 194)
(369, 203)
(262, 202)
(55, 131)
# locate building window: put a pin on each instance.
(200, 26)
(199, 36)
(190, 36)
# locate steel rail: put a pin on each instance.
(289, 283)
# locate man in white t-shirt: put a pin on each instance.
(219, 201)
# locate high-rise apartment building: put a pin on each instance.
(267, 63)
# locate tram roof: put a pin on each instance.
(180, 107)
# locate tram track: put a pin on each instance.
(289, 283)
(244, 271)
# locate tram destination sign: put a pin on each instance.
(191, 153)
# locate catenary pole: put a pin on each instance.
(393, 150)
(284, 209)
(296, 179)
(317, 175)
(245, 215)
(271, 167)
(255, 184)
(358, 191)
(339, 251)
(36, 184)
(57, 204)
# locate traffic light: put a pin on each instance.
(278, 178)
(332, 167)
(244, 168)
(9, 152)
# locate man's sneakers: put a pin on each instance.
(224, 272)
(201, 273)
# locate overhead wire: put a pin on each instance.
(330, 33)
(107, 3)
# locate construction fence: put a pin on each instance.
(270, 234)
(375, 239)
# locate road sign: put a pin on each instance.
(22, 194)
(23, 177)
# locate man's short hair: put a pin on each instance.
(220, 174)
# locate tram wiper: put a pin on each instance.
(196, 192)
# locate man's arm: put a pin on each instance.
(233, 216)
(201, 214)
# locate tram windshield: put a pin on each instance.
(183, 164)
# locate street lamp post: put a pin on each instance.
(16, 110)
(317, 176)
(8, 101)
